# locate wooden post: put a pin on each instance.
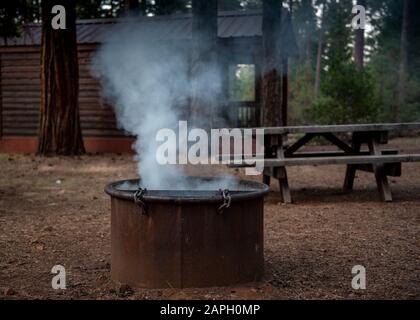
(351, 168)
(285, 93)
(1, 100)
(380, 173)
(281, 173)
(268, 153)
(271, 84)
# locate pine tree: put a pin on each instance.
(59, 125)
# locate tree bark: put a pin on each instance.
(59, 126)
(402, 73)
(285, 92)
(359, 43)
(204, 63)
(143, 7)
(291, 6)
(132, 6)
(1, 103)
(271, 86)
(319, 53)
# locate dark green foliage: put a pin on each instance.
(228, 5)
(338, 34)
(93, 9)
(9, 23)
(301, 96)
(242, 82)
(162, 7)
(90, 9)
(305, 25)
(13, 14)
(347, 97)
(386, 57)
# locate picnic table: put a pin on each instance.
(377, 158)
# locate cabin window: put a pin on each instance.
(242, 82)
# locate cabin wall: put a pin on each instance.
(20, 98)
(21, 95)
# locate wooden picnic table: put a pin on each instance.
(377, 158)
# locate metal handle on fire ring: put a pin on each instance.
(227, 199)
(138, 199)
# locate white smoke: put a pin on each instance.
(147, 81)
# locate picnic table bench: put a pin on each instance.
(381, 161)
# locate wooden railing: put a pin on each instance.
(243, 114)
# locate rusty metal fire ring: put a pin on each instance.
(184, 238)
(251, 190)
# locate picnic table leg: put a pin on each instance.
(380, 173)
(267, 173)
(268, 153)
(349, 179)
(351, 168)
(266, 180)
(281, 174)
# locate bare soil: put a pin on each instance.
(54, 211)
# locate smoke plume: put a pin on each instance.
(146, 81)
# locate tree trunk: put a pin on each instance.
(402, 73)
(59, 126)
(359, 43)
(204, 63)
(319, 53)
(308, 58)
(143, 7)
(1, 103)
(285, 92)
(132, 6)
(271, 86)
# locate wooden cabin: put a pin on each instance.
(239, 42)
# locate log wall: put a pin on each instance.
(20, 95)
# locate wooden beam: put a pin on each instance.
(312, 154)
(281, 174)
(391, 169)
(380, 175)
(370, 159)
(339, 143)
(351, 168)
(298, 144)
(343, 128)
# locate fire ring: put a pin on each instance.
(179, 239)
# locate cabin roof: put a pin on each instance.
(231, 24)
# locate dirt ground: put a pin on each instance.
(54, 211)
